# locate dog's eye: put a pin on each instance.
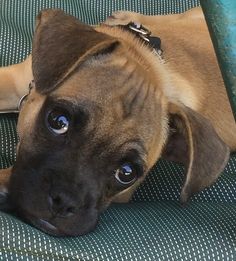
(58, 121)
(126, 174)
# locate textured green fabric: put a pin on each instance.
(154, 231)
(153, 226)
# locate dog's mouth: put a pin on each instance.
(46, 224)
(81, 223)
(46, 227)
(78, 225)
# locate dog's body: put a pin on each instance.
(124, 107)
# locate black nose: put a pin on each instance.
(62, 204)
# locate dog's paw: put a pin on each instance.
(4, 179)
(123, 17)
(5, 203)
(3, 195)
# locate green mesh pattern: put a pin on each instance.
(166, 179)
(153, 226)
(154, 231)
(8, 139)
(17, 18)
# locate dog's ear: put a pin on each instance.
(194, 142)
(60, 44)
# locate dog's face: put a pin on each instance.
(83, 145)
(92, 128)
(87, 140)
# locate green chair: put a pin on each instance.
(153, 226)
(221, 19)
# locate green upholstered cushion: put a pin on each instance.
(153, 226)
(151, 231)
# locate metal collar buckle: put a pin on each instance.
(138, 28)
(22, 99)
(146, 35)
(19, 105)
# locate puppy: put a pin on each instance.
(104, 108)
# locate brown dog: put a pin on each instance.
(104, 108)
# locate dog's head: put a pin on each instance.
(93, 126)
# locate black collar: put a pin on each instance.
(143, 33)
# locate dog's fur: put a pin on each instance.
(125, 106)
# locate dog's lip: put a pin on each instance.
(47, 224)
(44, 225)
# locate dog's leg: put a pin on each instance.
(14, 82)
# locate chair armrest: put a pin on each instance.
(221, 20)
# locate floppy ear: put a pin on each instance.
(60, 44)
(194, 142)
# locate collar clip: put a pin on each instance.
(146, 35)
(23, 98)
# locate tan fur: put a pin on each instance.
(27, 116)
(193, 79)
(185, 78)
(14, 82)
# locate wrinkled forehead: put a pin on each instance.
(111, 83)
(97, 80)
(116, 88)
(115, 93)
